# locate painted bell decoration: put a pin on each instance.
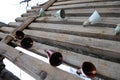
(93, 19)
(117, 29)
(87, 70)
(55, 58)
(60, 13)
(19, 35)
(41, 12)
(27, 43)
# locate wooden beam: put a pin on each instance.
(104, 12)
(86, 5)
(34, 66)
(27, 22)
(111, 21)
(2, 35)
(47, 5)
(7, 75)
(89, 11)
(96, 32)
(106, 21)
(97, 47)
(64, 2)
(100, 48)
(76, 59)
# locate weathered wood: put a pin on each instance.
(64, 2)
(98, 47)
(8, 38)
(6, 75)
(47, 5)
(2, 35)
(96, 32)
(106, 22)
(108, 49)
(110, 12)
(91, 10)
(86, 5)
(26, 62)
(27, 22)
(20, 19)
(111, 21)
(77, 59)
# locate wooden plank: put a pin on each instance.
(20, 19)
(2, 35)
(79, 1)
(106, 21)
(91, 10)
(7, 75)
(96, 32)
(104, 12)
(76, 59)
(74, 2)
(97, 47)
(27, 22)
(47, 5)
(86, 5)
(34, 66)
(63, 0)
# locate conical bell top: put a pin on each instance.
(27, 43)
(55, 58)
(93, 19)
(88, 69)
(19, 35)
(117, 29)
(42, 12)
(60, 13)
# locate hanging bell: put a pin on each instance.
(19, 35)
(55, 58)
(87, 70)
(93, 19)
(27, 43)
(117, 29)
(60, 13)
(42, 12)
